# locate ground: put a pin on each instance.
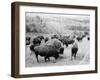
(83, 56)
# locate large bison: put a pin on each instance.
(47, 50)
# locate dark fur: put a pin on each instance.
(54, 37)
(37, 40)
(79, 38)
(74, 52)
(45, 51)
(70, 41)
(46, 39)
(88, 38)
(41, 37)
(50, 49)
(67, 41)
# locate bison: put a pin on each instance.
(79, 38)
(46, 39)
(37, 40)
(54, 37)
(70, 41)
(28, 40)
(66, 40)
(41, 37)
(47, 50)
(74, 50)
(86, 33)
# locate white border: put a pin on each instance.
(36, 70)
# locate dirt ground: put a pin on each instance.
(83, 56)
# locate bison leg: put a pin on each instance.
(56, 57)
(55, 60)
(72, 54)
(37, 58)
(75, 53)
(66, 44)
(75, 56)
(46, 58)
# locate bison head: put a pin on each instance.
(60, 50)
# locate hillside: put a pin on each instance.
(46, 23)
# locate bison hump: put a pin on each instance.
(54, 42)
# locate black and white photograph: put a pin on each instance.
(57, 39)
(52, 39)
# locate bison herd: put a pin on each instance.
(53, 46)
